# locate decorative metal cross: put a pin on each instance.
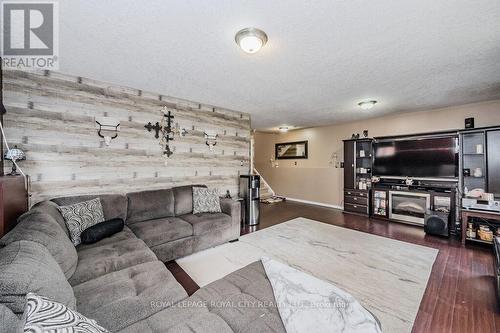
(165, 128)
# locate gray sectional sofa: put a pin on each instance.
(122, 281)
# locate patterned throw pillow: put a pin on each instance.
(205, 200)
(43, 315)
(80, 216)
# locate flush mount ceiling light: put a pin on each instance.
(251, 40)
(366, 105)
(283, 128)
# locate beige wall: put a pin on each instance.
(317, 179)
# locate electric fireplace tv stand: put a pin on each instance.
(395, 200)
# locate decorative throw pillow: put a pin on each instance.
(81, 216)
(205, 200)
(102, 230)
(44, 315)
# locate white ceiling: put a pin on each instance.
(322, 57)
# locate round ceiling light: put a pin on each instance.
(283, 128)
(366, 105)
(251, 40)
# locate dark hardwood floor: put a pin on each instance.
(460, 294)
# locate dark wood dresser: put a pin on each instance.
(13, 201)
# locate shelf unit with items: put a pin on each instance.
(358, 158)
(474, 162)
(380, 203)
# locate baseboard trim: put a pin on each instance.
(315, 203)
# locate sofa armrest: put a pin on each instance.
(232, 208)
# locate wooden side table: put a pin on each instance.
(13, 201)
(466, 214)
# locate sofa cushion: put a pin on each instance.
(207, 222)
(102, 230)
(243, 301)
(149, 205)
(9, 322)
(113, 205)
(110, 257)
(81, 216)
(119, 299)
(28, 267)
(126, 233)
(183, 203)
(40, 227)
(183, 197)
(159, 231)
(45, 315)
(52, 209)
(206, 200)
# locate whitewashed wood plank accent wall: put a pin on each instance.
(51, 117)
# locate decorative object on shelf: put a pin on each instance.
(479, 149)
(469, 122)
(353, 136)
(361, 153)
(107, 128)
(478, 172)
(165, 131)
(211, 139)
(15, 154)
(228, 195)
(466, 172)
(357, 136)
(409, 181)
(291, 150)
(365, 133)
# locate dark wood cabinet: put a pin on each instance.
(349, 164)
(13, 201)
(357, 175)
(493, 161)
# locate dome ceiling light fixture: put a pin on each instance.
(367, 105)
(251, 40)
(283, 128)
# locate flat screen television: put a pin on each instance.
(418, 158)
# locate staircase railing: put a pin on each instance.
(263, 181)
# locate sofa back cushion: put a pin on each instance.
(28, 267)
(40, 227)
(113, 205)
(52, 209)
(183, 196)
(150, 205)
(9, 322)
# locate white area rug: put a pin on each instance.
(386, 276)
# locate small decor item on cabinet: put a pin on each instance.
(15, 154)
(466, 172)
(470, 233)
(365, 133)
(357, 136)
(478, 172)
(479, 149)
(485, 233)
(469, 122)
(228, 195)
(361, 153)
(409, 181)
(107, 128)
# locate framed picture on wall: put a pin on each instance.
(290, 150)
